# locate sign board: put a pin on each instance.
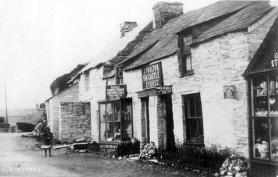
(274, 61)
(152, 76)
(164, 90)
(229, 91)
(115, 92)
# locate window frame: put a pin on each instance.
(254, 149)
(191, 139)
(184, 52)
(121, 113)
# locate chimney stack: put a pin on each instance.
(126, 27)
(165, 11)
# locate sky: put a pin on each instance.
(43, 39)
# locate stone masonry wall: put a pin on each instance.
(75, 121)
(216, 63)
(53, 108)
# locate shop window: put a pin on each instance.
(265, 117)
(193, 119)
(115, 121)
(185, 61)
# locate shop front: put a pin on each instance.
(156, 108)
(115, 116)
(262, 76)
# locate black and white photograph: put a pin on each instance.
(138, 88)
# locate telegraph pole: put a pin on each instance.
(6, 108)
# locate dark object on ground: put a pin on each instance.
(2, 120)
(125, 148)
(202, 158)
(25, 127)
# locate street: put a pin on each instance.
(20, 157)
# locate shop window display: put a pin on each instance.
(265, 117)
(115, 121)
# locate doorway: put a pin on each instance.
(165, 122)
(145, 120)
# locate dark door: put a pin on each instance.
(145, 120)
(169, 142)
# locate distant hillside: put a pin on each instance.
(23, 115)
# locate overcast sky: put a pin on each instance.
(43, 39)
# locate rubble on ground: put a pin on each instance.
(235, 166)
(148, 152)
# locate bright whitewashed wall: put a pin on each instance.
(216, 63)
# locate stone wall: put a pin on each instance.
(53, 107)
(75, 121)
(216, 63)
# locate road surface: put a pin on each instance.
(20, 157)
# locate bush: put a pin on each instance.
(208, 158)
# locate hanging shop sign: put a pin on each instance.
(114, 92)
(163, 90)
(152, 76)
(274, 61)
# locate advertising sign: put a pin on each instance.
(152, 76)
(115, 92)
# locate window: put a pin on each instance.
(185, 60)
(115, 121)
(193, 119)
(119, 76)
(264, 117)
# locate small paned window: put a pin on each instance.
(119, 76)
(115, 121)
(193, 119)
(185, 55)
(264, 117)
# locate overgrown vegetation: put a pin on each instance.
(202, 158)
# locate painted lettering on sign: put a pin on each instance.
(152, 76)
(115, 92)
(163, 90)
(274, 61)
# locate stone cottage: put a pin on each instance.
(180, 80)
(67, 117)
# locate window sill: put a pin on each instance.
(188, 73)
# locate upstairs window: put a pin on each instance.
(119, 76)
(185, 58)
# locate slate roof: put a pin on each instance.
(261, 59)
(163, 42)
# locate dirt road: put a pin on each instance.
(20, 157)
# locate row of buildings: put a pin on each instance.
(203, 77)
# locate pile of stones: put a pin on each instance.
(235, 166)
(148, 152)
